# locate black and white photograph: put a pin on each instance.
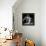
(28, 19)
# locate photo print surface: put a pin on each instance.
(28, 19)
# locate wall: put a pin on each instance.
(43, 22)
(29, 32)
(6, 13)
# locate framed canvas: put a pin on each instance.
(28, 19)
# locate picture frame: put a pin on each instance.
(28, 19)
